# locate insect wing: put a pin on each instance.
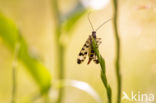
(84, 51)
(95, 59)
(98, 41)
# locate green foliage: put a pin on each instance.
(103, 71)
(10, 35)
(67, 25)
(74, 16)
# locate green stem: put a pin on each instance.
(117, 62)
(61, 73)
(13, 84)
(103, 72)
(14, 67)
(59, 48)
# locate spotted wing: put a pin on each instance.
(91, 54)
(98, 41)
(95, 59)
(84, 51)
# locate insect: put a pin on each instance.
(87, 47)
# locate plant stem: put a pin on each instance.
(61, 73)
(13, 84)
(103, 71)
(117, 61)
(59, 48)
(14, 67)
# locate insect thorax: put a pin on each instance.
(94, 34)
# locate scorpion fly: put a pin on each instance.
(87, 48)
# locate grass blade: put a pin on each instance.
(103, 71)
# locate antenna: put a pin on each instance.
(103, 24)
(90, 22)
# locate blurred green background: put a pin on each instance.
(36, 22)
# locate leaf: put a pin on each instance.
(10, 35)
(83, 86)
(73, 16)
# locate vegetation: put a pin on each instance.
(52, 85)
